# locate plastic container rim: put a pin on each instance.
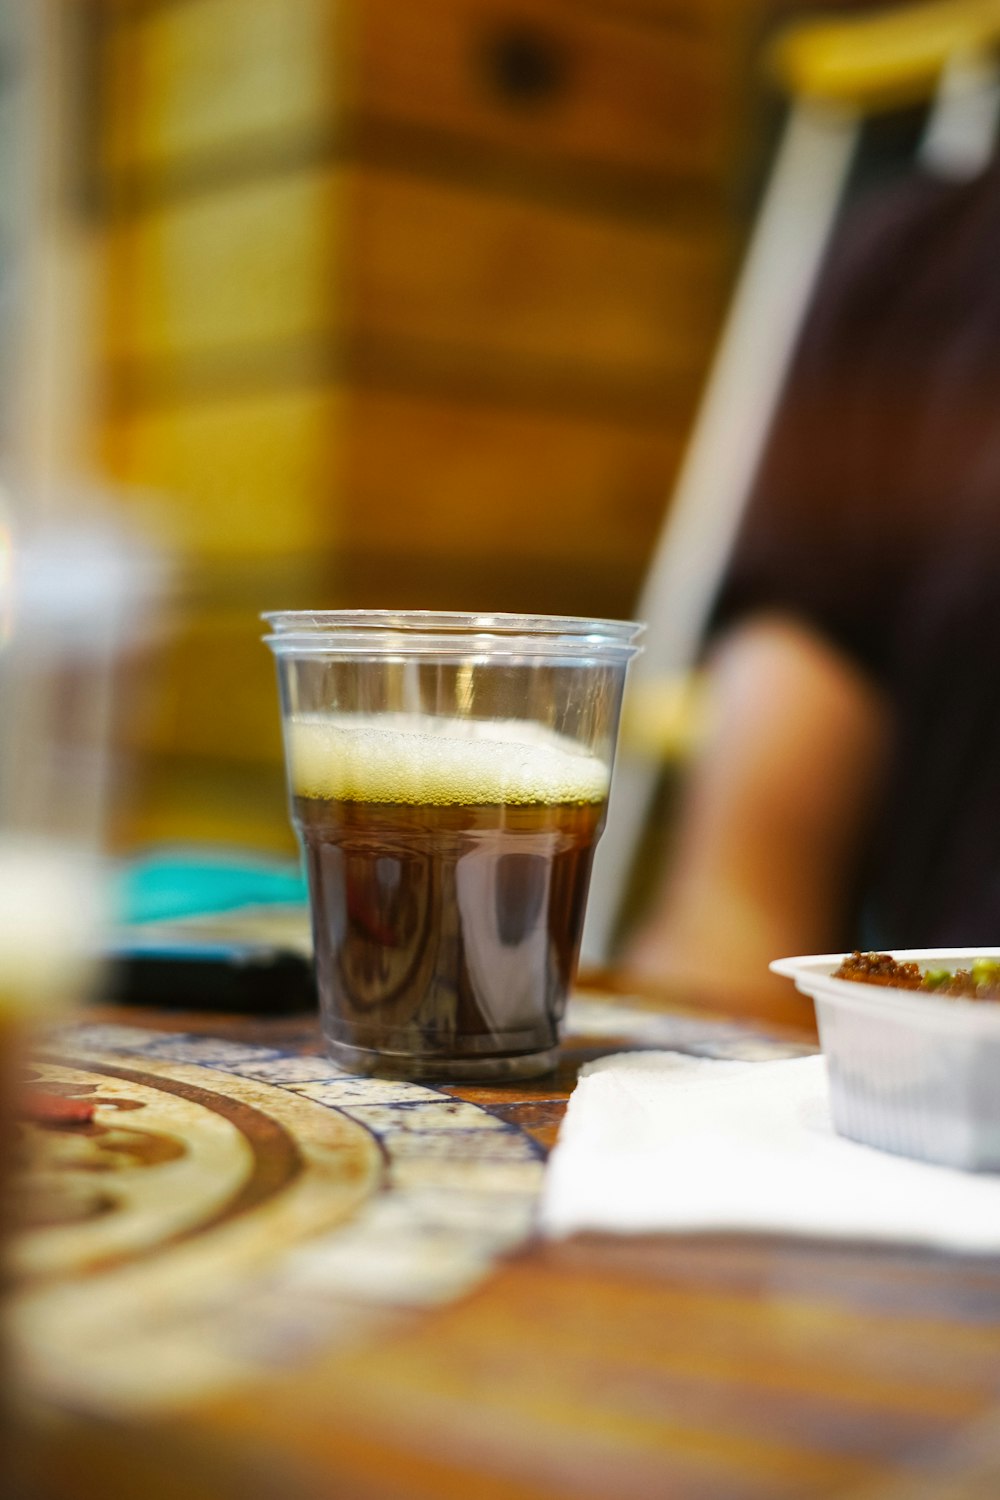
(813, 976)
(449, 633)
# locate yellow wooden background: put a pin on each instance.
(402, 303)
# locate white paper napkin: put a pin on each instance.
(657, 1141)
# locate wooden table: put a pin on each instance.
(252, 1278)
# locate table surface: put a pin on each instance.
(247, 1275)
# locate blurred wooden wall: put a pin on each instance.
(403, 303)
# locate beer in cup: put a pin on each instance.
(448, 778)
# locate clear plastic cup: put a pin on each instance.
(72, 594)
(448, 777)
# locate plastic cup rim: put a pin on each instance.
(451, 632)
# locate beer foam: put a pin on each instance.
(412, 758)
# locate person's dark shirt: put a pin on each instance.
(876, 518)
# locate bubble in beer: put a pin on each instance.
(419, 759)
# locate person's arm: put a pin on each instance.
(773, 820)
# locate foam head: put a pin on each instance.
(419, 759)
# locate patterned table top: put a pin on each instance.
(228, 1206)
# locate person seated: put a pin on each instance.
(847, 793)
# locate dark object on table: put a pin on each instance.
(236, 978)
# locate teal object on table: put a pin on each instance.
(175, 884)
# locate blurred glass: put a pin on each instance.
(65, 595)
(74, 592)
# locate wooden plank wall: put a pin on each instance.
(403, 305)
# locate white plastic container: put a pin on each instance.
(910, 1071)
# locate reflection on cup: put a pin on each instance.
(449, 778)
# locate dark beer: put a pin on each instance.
(448, 877)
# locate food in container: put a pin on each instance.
(912, 1070)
